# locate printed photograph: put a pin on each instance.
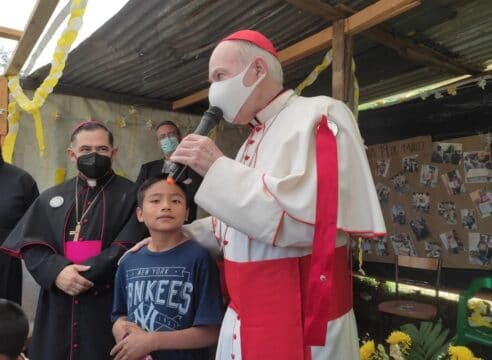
(482, 199)
(447, 153)
(383, 192)
(382, 167)
(428, 175)
(477, 166)
(469, 219)
(447, 210)
(410, 164)
(402, 244)
(399, 182)
(453, 182)
(451, 242)
(421, 202)
(382, 246)
(432, 249)
(398, 214)
(419, 228)
(479, 251)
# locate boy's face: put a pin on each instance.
(163, 208)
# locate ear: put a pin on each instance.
(71, 155)
(187, 214)
(261, 66)
(139, 214)
(114, 152)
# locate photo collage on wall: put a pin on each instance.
(436, 199)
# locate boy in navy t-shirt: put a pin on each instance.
(167, 295)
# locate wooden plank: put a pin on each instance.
(342, 58)
(418, 262)
(191, 99)
(377, 13)
(318, 9)
(34, 28)
(4, 101)
(306, 47)
(322, 39)
(92, 93)
(417, 53)
(9, 33)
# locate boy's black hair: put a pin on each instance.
(151, 181)
(14, 329)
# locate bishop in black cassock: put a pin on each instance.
(73, 320)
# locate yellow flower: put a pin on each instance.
(401, 338)
(461, 353)
(367, 350)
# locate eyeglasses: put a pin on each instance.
(168, 135)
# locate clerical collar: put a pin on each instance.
(92, 183)
(273, 108)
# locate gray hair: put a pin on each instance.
(250, 52)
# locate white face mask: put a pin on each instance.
(231, 94)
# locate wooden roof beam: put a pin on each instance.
(34, 28)
(92, 93)
(369, 16)
(8, 33)
(405, 48)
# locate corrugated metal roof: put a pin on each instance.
(159, 50)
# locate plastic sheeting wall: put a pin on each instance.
(131, 127)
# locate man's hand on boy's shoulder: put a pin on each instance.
(134, 345)
(135, 248)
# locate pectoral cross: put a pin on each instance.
(75, 232)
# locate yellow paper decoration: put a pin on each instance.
(356, 93)
(311, 78)
(9, 143)
(57, 65)
(361, 256)
(120, 122)
(60, 174)
(452, 90)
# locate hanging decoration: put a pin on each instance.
(121, 122)
(356, 92)
(481, 83)
(311, 78)
(60, 174)
(452, 90)
(360, 255)
(438, 90)
(33, 106)
(9, 142)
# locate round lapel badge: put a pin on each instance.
(333, 127)
(56, 201)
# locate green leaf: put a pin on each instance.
(428, 340)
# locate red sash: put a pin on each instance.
(322, 272)
(284, 305)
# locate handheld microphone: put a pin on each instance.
(209, 120)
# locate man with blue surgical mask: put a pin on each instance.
(168, 138)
